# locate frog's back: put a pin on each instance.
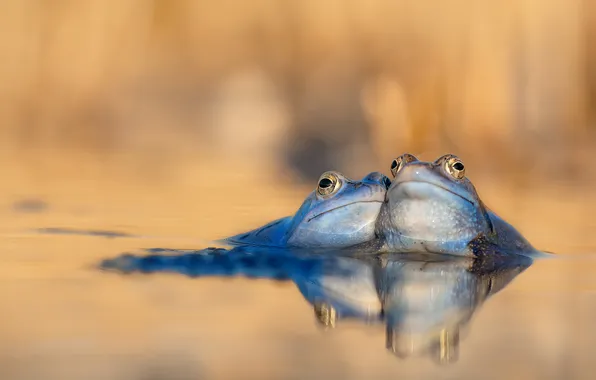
(507, 238)
(273, 234)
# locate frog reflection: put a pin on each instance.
(423, 300)
(427, 303)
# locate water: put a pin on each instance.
(62, 318)
(64, 321)
(423, 301)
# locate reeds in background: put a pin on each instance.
(309, 84)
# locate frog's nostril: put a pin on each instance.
(386, 182)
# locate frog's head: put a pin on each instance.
(432, 206)
(340, 212)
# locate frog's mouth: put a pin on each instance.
(420, 189)
(343, 206)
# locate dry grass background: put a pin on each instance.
(191, 120)
(341, 84)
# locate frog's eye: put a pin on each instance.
(395, 166)
(400, 162)
(455, 168)
(329, 183)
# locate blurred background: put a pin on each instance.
(309, 85)
(183, 120)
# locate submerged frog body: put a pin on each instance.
(432, 206)
(339, 213)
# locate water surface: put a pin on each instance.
(62, 318)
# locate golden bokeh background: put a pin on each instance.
(335, 84)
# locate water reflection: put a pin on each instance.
(427, 302)
(71, 231)
(424, 300)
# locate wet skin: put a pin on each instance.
(339, 213)
(433, 207)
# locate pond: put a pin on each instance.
(258, 315)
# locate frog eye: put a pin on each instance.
(400, 162)
(455, 168)
(329, 183)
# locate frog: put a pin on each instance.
(338, 213)
(434, 207)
